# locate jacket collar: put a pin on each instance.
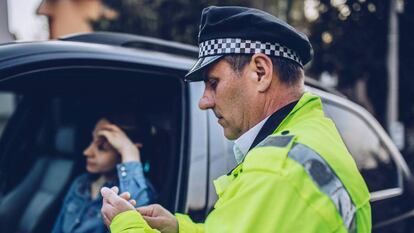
(283, 116)
(272, 123)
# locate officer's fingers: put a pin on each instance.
(153, 222)
(109, 195)
(159, 223)
(105, 219)
(133, 202)
(115, 189)
(146, 210)
(125, 195)
(107, 212)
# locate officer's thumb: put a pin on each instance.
(146, 211)
(159, 223)
(166, 224)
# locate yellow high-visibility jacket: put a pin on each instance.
(299, 179)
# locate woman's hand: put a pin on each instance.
(120, 142)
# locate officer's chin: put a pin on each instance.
(230, 135)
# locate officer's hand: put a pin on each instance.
(159, 218)
(113, 204)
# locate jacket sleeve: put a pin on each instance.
(132, 180)
(186, 225)
(130, 222)
(258, 202)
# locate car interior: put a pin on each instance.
(41, 148)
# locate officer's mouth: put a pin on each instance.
(220, 120)
(217, 115)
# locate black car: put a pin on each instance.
(59, 85)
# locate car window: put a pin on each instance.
(7, 107)
(373, 158)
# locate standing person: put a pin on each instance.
(294, 172)
(112, 158)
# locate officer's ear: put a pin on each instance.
(263, 68)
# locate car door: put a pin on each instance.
(380, 163)
(58, 83)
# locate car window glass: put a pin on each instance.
(371, 155)
(7, 107)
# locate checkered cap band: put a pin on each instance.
(239, 46)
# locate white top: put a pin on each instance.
(244, 142)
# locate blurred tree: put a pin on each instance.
(407, 64)
(289, 10)
(350, 41)
(171, 20)
(407, 77)
(178, 19)
(349, 37)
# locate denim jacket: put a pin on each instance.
(80, 213)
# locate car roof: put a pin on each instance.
(113, 47)
(20, 53)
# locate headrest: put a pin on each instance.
(65, 140)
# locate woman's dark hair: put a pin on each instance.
(135, 127)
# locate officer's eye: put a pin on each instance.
(213, 83)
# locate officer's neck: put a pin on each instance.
(280, 96)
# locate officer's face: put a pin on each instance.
(229, 95)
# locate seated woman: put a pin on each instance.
(112, 158)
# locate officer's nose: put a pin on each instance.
(206, 101)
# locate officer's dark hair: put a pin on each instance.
(290, 73)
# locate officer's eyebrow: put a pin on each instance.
(206, 76)
(210, 77)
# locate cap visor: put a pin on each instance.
(195, 73)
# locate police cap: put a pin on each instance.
(240, 30)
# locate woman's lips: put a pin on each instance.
(90, 163)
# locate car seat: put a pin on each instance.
(31, 205)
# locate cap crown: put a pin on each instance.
(252, 24)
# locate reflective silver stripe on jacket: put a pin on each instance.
(323, 176)
(278, 141)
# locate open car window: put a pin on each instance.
(373, 158)
(41, 151)
(8, 101)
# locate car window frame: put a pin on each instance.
(180, 194)
(384, 193)
(403, 170)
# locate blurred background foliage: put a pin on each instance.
(350, 40)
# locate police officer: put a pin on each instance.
(294, 172)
